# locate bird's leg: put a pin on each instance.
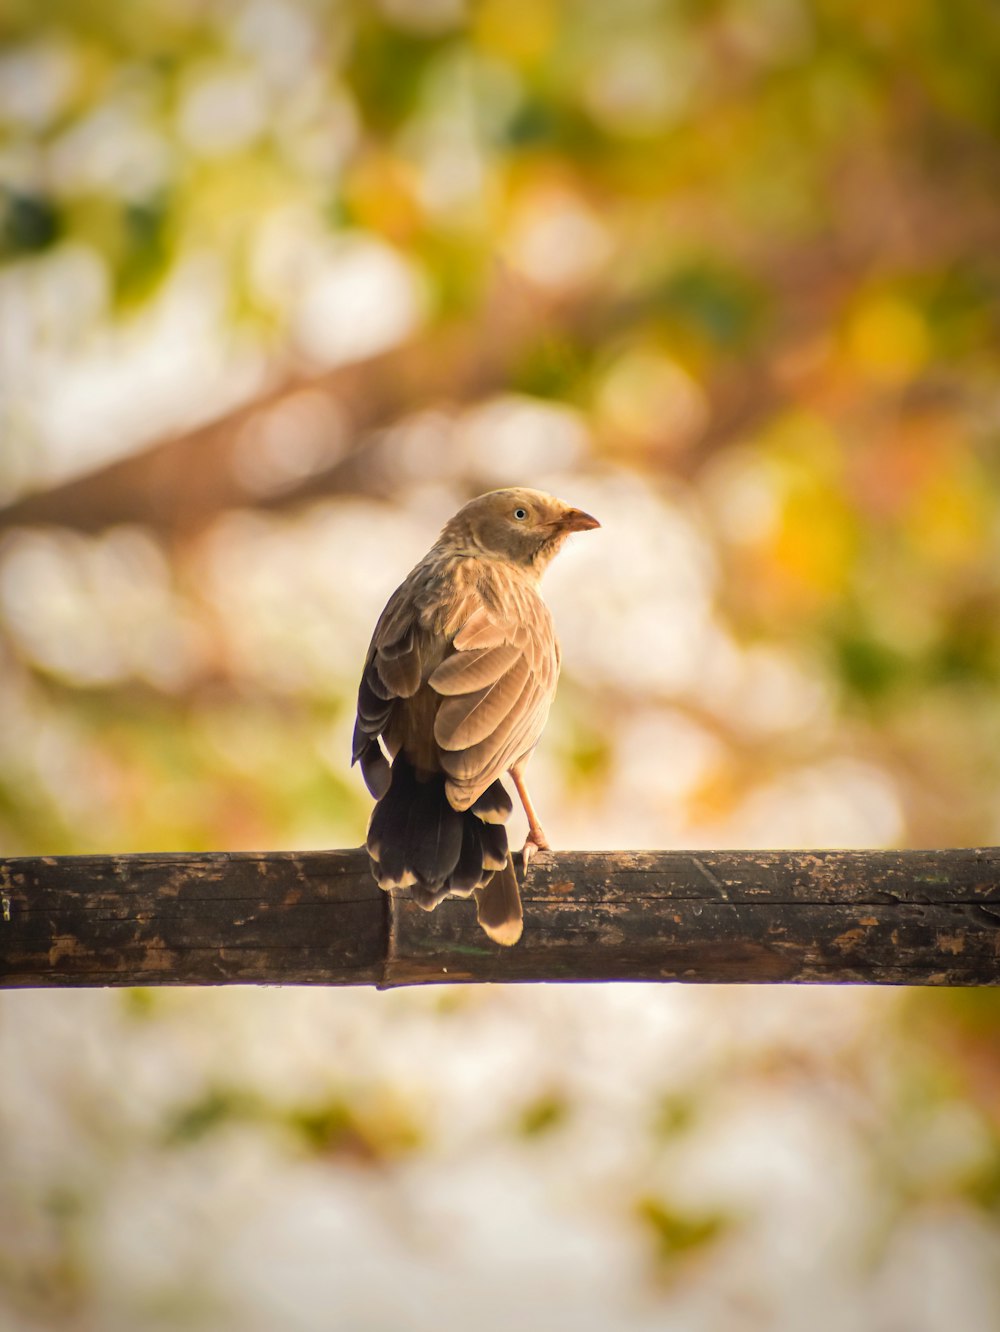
(536, 841)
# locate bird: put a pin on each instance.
(455, 692)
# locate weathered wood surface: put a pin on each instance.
(882, 917)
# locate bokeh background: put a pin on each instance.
(282, 283)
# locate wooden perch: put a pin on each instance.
(317, 918)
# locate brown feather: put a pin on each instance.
(466, 719)
(463, 672)
(469, 770)
(457, 686)
(498, 907)
(480, 630)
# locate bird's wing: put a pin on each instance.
(394, 669)
(491, 666)
(495, 688)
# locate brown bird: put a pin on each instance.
(457, 685)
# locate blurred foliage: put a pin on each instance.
(676, 1234)
(676, 1115)
(368, 1130)
(546, 1112)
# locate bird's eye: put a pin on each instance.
(520, 514)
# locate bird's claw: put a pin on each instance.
(536, 842)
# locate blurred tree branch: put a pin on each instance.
(179, 484)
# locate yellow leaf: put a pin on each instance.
(888, 340)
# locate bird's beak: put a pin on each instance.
(575, 520)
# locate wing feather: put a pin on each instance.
(482, 664)
(466, 719)
(481, 630)
(470, 764)
(485, 731)
(464, 672)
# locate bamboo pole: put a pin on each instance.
(317, 918)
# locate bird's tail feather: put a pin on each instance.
(498, 906)
(418, 841)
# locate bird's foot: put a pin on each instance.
(537, 841)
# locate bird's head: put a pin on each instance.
(524, 526)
